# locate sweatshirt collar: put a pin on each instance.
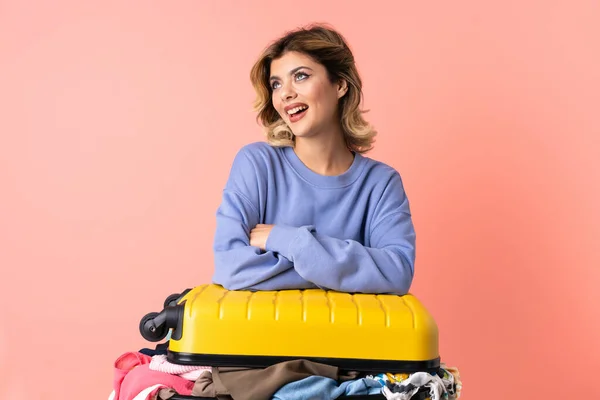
(325, 181)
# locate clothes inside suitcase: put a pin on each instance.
(421, 396)
(212, 326)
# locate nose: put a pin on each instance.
(287, 92)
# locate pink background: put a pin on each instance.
(119, 122)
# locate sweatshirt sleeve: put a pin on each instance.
(386, 266)
(239, 266)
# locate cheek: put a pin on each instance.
(317, 92)
(276, 104)
(321, 96)
(326, 105)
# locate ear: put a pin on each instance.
(342, 88)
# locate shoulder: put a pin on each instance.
(258, 150)
(259, 155)
(381, 174)
(258, 158)
(388, 189)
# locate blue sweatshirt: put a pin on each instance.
(351, 232)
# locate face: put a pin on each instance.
(304, 96)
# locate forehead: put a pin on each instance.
(283, 65)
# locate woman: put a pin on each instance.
(307, 209)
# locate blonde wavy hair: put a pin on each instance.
(327, 47)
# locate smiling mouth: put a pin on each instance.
(297, 110)
(295, 114)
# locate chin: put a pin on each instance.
(302, 132)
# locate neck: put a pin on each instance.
(327, 155)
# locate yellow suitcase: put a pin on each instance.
(363, 332)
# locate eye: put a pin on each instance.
(300, 76)
(275, 85)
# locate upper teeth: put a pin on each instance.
(296, 109)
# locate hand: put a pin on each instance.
(259, 235)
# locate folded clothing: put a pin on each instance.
(190, 372)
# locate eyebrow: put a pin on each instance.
(292, 72)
